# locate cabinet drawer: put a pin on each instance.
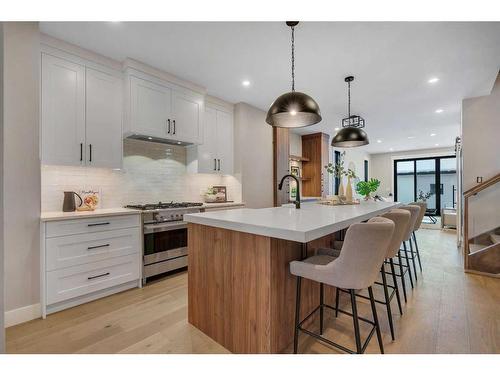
(77, 281)
(91, 225)
(68, 251)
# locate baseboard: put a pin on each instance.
(22, 314)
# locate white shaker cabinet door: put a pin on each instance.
(187, 114)
(207, 152)
(150, 108)
(63, 112)
(225, 142)
(103, 120)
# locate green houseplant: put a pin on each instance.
(365, 188)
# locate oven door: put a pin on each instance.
(164, 241)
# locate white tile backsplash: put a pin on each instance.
(151, 172)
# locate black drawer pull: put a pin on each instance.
(95, 277)
(96, 224)
(97, 247)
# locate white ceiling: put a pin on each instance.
(391, 62)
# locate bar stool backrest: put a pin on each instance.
(423, 208)
(401, 219)
(362, 255)
(414, 212)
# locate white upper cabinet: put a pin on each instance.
(150, 108)
(215, 154)
(186, 119)
(81, 114)
(225, 142)
(63, 112)
(103, 119)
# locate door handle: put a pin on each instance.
(95, 277)
(174, 127)
(90, 156)
(97, 224)
(219, 165)
(81, 151)
(215, 164)
(168, 123)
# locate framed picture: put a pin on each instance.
(295, 171)
(220, 193)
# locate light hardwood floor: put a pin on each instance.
(447, 312)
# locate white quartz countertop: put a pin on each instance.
(59, 215)
(311, 221)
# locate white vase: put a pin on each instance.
(348, 190)
(341, 187)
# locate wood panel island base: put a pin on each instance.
(240, 290)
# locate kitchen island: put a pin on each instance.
(240, 290)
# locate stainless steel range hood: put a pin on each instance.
(159, 140)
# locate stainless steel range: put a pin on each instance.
(165, 236)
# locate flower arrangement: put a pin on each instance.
(423, 196)
(365, 188)
(338, 170)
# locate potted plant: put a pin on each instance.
(366, 188)
(339, 171)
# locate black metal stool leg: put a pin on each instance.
(401, 272)
(297, 316)
(387, 302)
(321, 303)
(408, 263)
(413, 259)
(375, 320)
(395, 281)
(337, 298)
(418, 253)
(355, 321)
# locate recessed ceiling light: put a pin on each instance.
(337, 129)
(439, 110)
(150, 138)
(391, 149)
(433, 80)
(437, 144)
(379, 141)
(411, 137)
(179, 143)
(433, 134)
(245, 83)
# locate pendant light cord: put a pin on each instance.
(293, 58)
(349, 99)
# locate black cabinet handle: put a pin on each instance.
(219, 165)
(96, 224)
(168, 131)
(97, 247)
(90, 149)
(215, 164)
(95, 277)
(81, 151)
(174, 126)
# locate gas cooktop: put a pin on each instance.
(163, 206)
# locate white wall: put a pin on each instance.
(253, 155)
(2, 328)
(21, 164)
(481, 157)
(381, 166)
(152, 172)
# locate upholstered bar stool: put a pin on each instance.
(408, 254)
(357, 266)
(401, 219)
(423, 208)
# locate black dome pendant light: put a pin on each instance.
(293, 109)
(351, 134)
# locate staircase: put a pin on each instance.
(482, 214)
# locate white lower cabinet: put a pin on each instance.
(85, 259)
